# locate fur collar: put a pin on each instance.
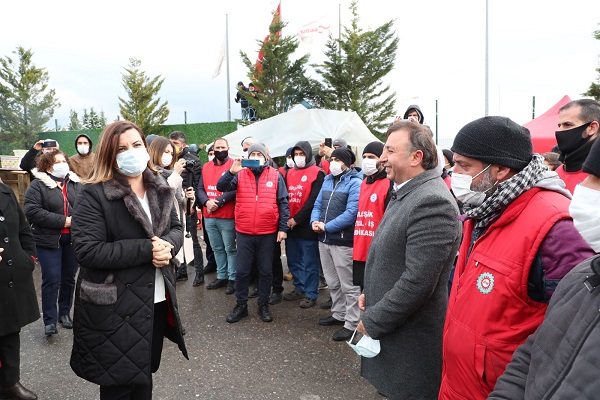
(51, 183)
(160, 198)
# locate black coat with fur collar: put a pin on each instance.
(114, 296)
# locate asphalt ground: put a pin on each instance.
(291, 358)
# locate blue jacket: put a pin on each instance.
(337, 206)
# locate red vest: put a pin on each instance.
(489, 311)
(571, 179)
(371, 206)
(256, 211)
(211, 174)
(325, 165)
(448, 182)
(299, 182)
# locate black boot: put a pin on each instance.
(239, 311)
(198, 280)
(182, 273)
(264, 312)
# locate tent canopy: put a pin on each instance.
(543, 127)
(282, 131)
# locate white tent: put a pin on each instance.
(282, 131)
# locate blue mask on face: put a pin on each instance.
(133, 162)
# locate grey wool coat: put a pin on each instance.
(406, 288)
(114, 295)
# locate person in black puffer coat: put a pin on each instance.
(125, 235)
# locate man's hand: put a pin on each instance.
(38, 145)
(212, 205)
(68, 222)
(291, 223)
(236, 166)
(318, 226)
(281, 236)
(361, 302)
(361, 329)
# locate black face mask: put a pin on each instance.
(570, 140)
(221, 154)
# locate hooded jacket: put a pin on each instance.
(417, 109)
(302, 217)
(83, 164)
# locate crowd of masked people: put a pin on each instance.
(462, 273)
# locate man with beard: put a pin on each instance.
(518, 243)
(577, 130)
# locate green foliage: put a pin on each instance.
(26, 102)
(594, 89)
(93, 120)
(142, 106)
(74, 123)
(203, 133)
(281, 81)
(354, 70)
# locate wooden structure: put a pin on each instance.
(17, 180)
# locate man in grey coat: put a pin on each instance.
(408, 264)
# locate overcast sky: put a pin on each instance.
(541, 48)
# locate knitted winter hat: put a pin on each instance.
(261, 148)
(374, 148)
(495, 140)
(289, 151)
(340, 142)
(345, 155)
(592, 162)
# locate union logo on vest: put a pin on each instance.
(485, 283)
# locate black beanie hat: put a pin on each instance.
(374, 148)
(592, 162)
(449, 155)
(345, 155)
(288, 152)
(495, 140)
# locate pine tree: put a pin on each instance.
(74, 124)
(594, 89)
(142, 106)
(85, 120)
(280, 81)
(26, 102)
(94, 120)
(354, 70)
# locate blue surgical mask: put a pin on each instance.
(133, 162)
(366, 347)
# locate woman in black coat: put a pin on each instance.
(18, 302)
(49, 202)
(125, 235)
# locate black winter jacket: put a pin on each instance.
(114, 295)
(18, 302)
(44, 207)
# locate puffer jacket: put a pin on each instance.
(337, 206)
(44, 207)
(560, 360)
(114, 296)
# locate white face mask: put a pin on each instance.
(60, 170)
(289, 162)
(366, 347)
(210, 158)
(133, 162)
(261, 160)
(83, 149)
(461, 186)
(585, 211)
(166, 159)
(335, 167)
(369, 166)
(300, 161)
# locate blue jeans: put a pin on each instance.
(59, 267)
(221, 232)
(303, 263)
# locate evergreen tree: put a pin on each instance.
(74, 124)
(142, 106)
(94, 120)
(594, 89)
(102, 120)
(354, 70)
(85, 120)
(280, 81)
(26, 102)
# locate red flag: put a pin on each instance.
(261, 53)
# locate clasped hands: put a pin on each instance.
(161, 252)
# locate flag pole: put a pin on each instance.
(227, 58)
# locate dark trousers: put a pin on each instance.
(249, 248)
(277, 269)
(59, 267)
(10, 358)
(138, 391)
(192, 227)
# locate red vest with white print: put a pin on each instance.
(299, 182)
(256, 210)
(371, 206)
(211, 174)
